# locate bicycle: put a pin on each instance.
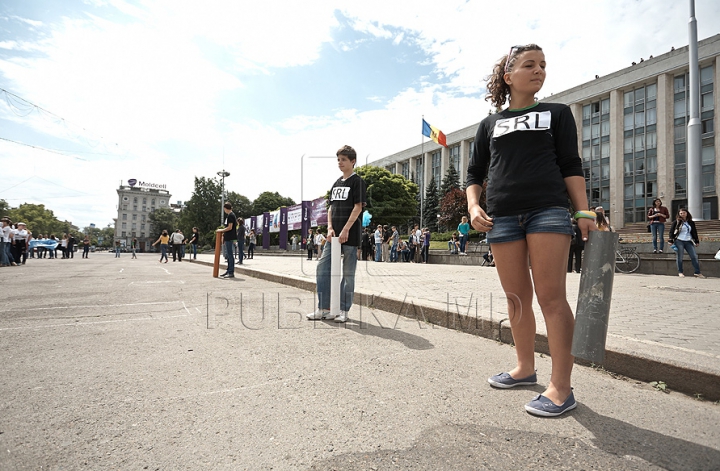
(626, 260)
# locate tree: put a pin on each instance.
(202, 210)
(108, 235)
(162, 219)
(431, 206)
(242, 206)
(390, 197)
(453, 206)
(4, 208)
(40, 220)
(268, 201)
(451, 180)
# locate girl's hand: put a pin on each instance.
(586, 225)
(479, 220)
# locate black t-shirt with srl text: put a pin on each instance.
(232, 233)
(344, 195)
(525, 155)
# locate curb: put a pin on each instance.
(681, 377)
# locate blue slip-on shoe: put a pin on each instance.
(505, 381)
(544, 407)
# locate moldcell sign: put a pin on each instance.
(132, 182)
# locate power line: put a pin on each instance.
(25, 108)
(40, 148)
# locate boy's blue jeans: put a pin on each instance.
(347, 285)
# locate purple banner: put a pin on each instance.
(305, 223)
(318, 216)
(266, 231)
(283, 228)
(294, 217)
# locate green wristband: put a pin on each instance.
(585, 214)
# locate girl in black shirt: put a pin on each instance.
(528, 154)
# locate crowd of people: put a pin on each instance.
(682, 237)
(17, 244)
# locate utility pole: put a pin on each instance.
(694, 140)
(222, 175)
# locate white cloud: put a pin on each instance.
(153, 83)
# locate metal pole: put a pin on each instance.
(694, 140)
(593, 307)
(422, 176)
(222, 198)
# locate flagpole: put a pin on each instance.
(422, 177)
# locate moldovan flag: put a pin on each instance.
(433, 133)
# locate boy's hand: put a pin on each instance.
(344, 236)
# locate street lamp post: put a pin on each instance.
(222, 175)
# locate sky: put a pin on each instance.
(97, 92)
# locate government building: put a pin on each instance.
(136, 201)
(631, 128)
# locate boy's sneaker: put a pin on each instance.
(505, 381)
(544, 407)
(342, 317)
(319, 315)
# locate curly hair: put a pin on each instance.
(497, 89)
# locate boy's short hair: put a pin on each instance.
(227, 206)
(348, 152)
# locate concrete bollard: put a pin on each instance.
(335, 275)
(593, 307)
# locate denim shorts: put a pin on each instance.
(511, 228)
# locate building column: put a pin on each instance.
(665, 139)
(716, 129)
(444, 164)
(398, 168)
(464, 155)
(617, 182)
(427, 169)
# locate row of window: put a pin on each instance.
(134, 217)
(134, 234)
(135, 208)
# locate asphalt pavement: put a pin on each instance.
(133, 364)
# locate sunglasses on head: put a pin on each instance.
(513, 49)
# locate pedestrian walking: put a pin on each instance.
(163, 241)
(310, 244)
(657, 215)
(194, 240)
(177, 239)
(133, 247)
(347, 198)
(86, 247)
(577, 245)
(529, 154)
(241, 240)
(252, 242)
(684, 238)
(464, 234)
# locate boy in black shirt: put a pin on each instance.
(229, 236)
(347, 198)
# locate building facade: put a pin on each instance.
(632, 127)
(135, 204)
